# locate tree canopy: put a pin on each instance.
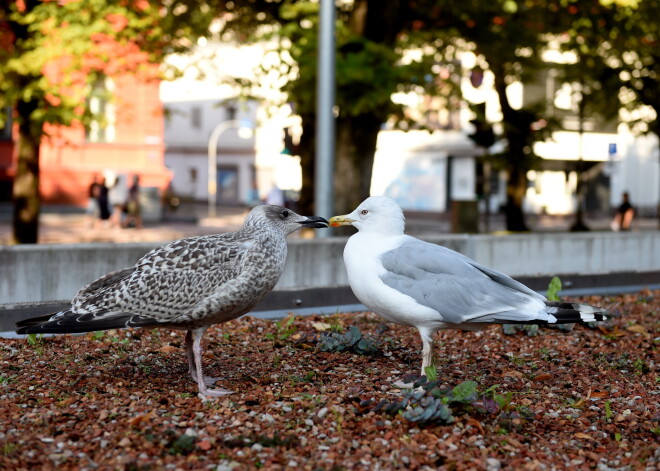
(50, 52)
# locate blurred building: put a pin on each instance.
(126, 138)
(428, 170)
(423, 170)
(204, 99)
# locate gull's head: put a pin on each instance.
(282, 219)
(375, 214)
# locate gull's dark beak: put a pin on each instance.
(315, 222)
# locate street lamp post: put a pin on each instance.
(325, 126)
(212, 182)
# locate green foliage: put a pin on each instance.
(98, 335)
(608, 411)
(307, 378)
(465, 393)
(352, 340)
(531, 330)
(431, 373)
(8, 448)
(428, 404)
(182, 445)
(97, 37)
(553, 288)
(36, 342)
(284, 329)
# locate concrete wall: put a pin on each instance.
(55, 272)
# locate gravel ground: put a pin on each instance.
(587, 398)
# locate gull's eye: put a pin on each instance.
(285, 213)
(364, 212)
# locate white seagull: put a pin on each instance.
(188, 284)
(415, 283)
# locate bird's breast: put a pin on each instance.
(364, 269)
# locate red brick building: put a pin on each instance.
(127, 139)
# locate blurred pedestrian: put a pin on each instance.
(103, 202)
(93, 210)
(624, 214)
(133, 213)
(117, 197)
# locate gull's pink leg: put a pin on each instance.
(192, 369)
(204, 392)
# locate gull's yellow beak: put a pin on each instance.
(343, 220)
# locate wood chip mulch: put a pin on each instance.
(581, 399)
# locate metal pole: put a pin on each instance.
(212, 183)
(325, 120)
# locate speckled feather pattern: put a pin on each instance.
(196, 281)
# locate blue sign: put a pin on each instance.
(612, 148)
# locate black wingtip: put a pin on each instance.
(566, 313)
(32, 322)
(67, 322)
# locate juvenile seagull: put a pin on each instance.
(188, 284)
(415, 283)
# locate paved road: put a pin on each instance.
(65, 226)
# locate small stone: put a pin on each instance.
(493, 464)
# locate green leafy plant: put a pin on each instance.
(352, 340)
(608, 411)
(431, 373)
(36, 341)
(641, 367)
(182, 445)
(426, 403)
(306, 378)
(98, 335)
(8, 448)
(6, 379)
(284, 329)
(511, 329)
(553, 289)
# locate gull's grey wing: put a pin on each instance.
(168, 280)
(459, 288)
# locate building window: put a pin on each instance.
(5, 128)
(101, 127)
(196, 116)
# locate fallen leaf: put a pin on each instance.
(583, 436)
(321, 326)
(543, 377)
(639, 329)
(204, 445)
(168, 349)
(512, 374)
(514, 442)
(124, 442)
(136, 421)
(475, 423)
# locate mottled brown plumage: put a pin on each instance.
(189, 284)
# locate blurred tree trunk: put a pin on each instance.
(307, 151)
(517, 133)
(356, 146)
(25, 194)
